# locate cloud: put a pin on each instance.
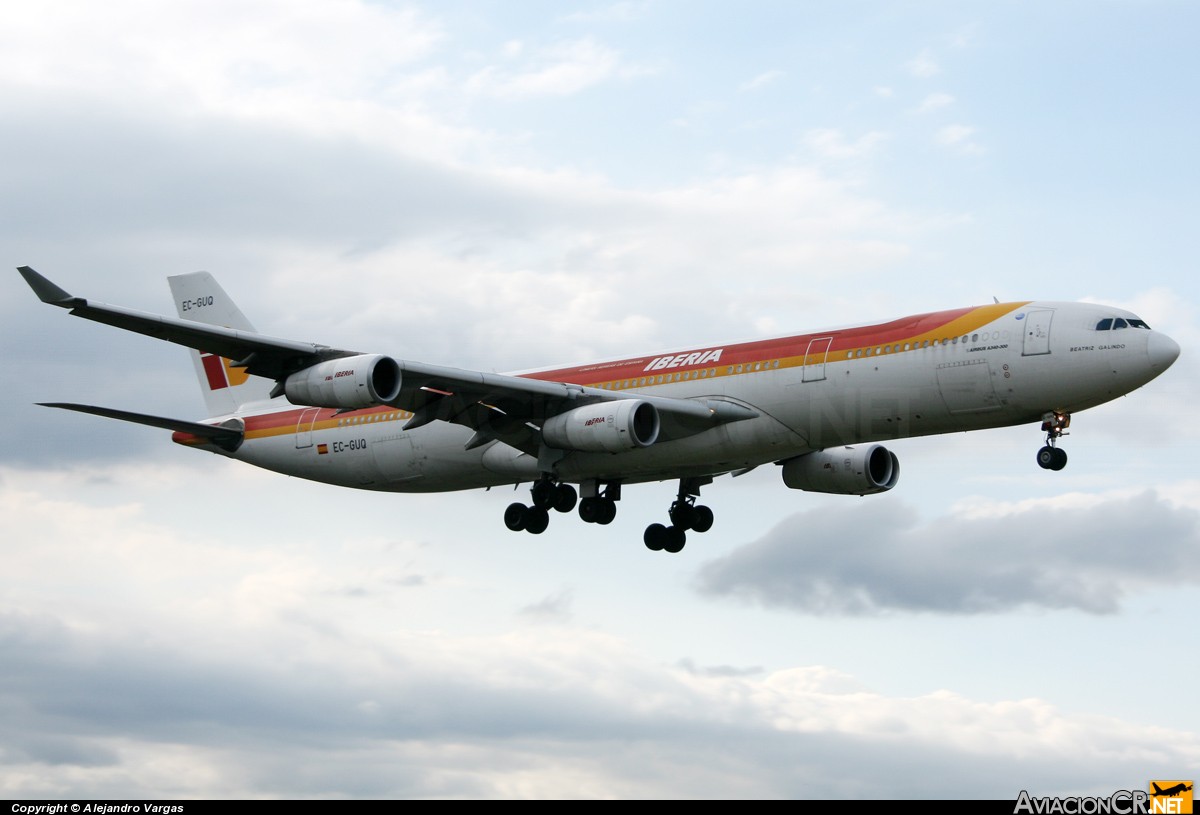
(877, 557)
(830, 143)
(959, 138)
(217, 659)
(555, 607)
(923, 65)
(622, 12)
(935, 101)
(761, 81)
(551, 713)
(559, 70)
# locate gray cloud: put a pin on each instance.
(872, 557)
(564, 714)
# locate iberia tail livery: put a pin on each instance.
(820, 405)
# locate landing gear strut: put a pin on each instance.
(1052, 457)
(685, 514)
(547, 494)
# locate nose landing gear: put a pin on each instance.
(1052, 457)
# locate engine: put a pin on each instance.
(605, 427)
(848, 471)
(347, 383)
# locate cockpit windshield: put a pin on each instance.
(1114, 323)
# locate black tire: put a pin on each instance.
(608, 511)
(515, 517)
(675, 540)
(544, 493)
(1045, 457)
(682, 515)
(655, 537)
(589, 510)
(1060, 459)
(565, 498)
(702, 519)
(536, 520)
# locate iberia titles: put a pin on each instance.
(684, 360)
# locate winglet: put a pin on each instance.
(46, 291)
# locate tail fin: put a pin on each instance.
(199, 297)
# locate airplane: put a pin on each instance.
(816, 404)
(1170, 791)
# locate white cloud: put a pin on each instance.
(762, 80)
(559, 70)
(622, 12)
(923, 65)
(831, 143)
(958, 137)
(935, 101)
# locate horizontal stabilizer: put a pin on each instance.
(227, 438)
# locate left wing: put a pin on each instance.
(512, 409)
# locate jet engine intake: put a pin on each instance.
(862, 470)
(604, 427)
(348, 383)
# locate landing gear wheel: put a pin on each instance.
(1052, 458)
(536, 520)
(589, 510)
(608, 511)
(702, 519)
(565, 498)
(1045, 457)
(655, 537)
(544, 492)
(675, 540)
(682, 515)
(1060, 459)
(514, 517)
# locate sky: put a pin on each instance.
(504, 186)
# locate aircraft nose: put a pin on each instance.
(1162, 351)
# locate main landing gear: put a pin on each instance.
(547, 494)
(1052, 457)
(685, 514)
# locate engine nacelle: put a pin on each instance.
(847, 471)
(604, 427)
(348, 383)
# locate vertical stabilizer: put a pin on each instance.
(199, 297)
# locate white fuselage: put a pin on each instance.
(1003, 365)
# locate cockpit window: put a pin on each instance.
(1111, 323)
